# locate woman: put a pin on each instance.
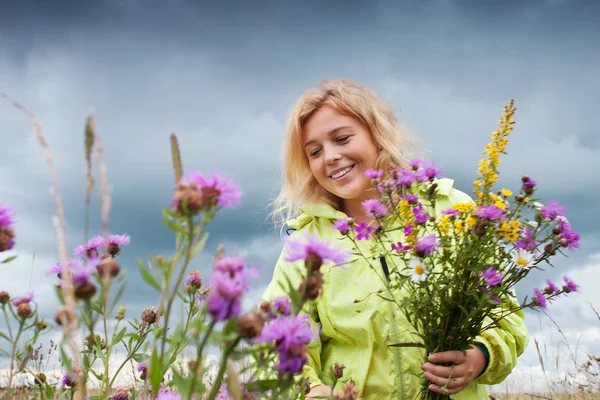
(335, 133)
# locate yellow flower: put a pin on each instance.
(463, 207)
(460, 226)
(471, 221)
(405, 210)
(506, 192)
(509, 230)
(444, 223)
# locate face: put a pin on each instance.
(339, 150)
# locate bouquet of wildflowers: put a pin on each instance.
(460, 265)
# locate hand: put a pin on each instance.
(453, 379)
(320, 390)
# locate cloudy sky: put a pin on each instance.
(223, 79)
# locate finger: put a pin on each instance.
(441, 390)
(454, 356)
(451, 383)
(454, 371)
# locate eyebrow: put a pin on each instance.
(330, 133)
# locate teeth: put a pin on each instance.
(341, 173)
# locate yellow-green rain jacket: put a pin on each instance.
(358, 334)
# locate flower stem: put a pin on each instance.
(223, 364)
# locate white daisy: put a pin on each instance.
(537, 204)
(418, 270)
(522, 258)
(533, 224)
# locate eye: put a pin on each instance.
(314, 153)
(342, 139)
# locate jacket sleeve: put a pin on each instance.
(505, 343)
(293, 272)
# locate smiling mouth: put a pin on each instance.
(342, 173)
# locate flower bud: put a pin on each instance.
(149, 315)
(120, 313)
(519, 198)
(65, 314)
(41, 325)
(108, 267)
(40, 379)
(528, 190)
(549, 248)
(210, 196)
(250, 325)
(85, 291)
(4, 297)
(563, 243)
(24, 310)
(264, 306)
(338, 370)
(190, 195)
(7, 238)
(557, 230)
(311, 289)
(313, 261)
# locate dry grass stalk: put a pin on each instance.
(176, 156)
(60, 225)
(105, 198)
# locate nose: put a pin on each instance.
(331, 155)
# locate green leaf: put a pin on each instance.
(262, 386)
(65, 360)
(119, 336)
(182, 384)
(198, 247)
(9, 259)
(156, 370)
(408, 344)
(147, 275)
(3, 335)
(138, 357)
(49, 392)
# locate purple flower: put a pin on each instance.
(526, 241)
(66, 380)
(168, 395)
(420, 215)
(27, 298)
(410, 198)
(81, 272)
(450, 211)
(426, 245)
(228, 285)
(551, 286)
(57, 268)
(568, 236)
(570, 286)
(363, 230)
(121, 240)
(194, 279)
(342, 225)
(540, 298)
(90, 248)
(415, 164)
(489, 211)
(141, 367)
(7, 216)
(120, 396)
(492, 276)
(374, 174)
(405, 177)
(528, 185)
(282, 305)
(552, 210)
(374, 208)
(215, 187)
(428, 173)
(291, 335)
(407, 230)
(399, 248)
(304, 248)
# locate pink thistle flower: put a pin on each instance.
(568, 236)
(374, 174)
(526, 241)
(528, 185)
(141, 367)
(415, 164)
(168, 395)
(57, 268)
(66, 380)
(194, 280)
(364, 231)
(451, 212)
(82, 272)
(405, 177)
(426, 245)
(342, 225)
(407, 230)
(228, 285)
(489, 211)
(492, 277)
(374, 208)
(420, 215)
(291, 335)
(411, 198)
(90, 248)
(552, 210)
(7, 216)
(216, 189)
(27, 298)
(313, 249)
(282, 305)
(540, 299)
(570, 286)
(552, 288)
(428, 173)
